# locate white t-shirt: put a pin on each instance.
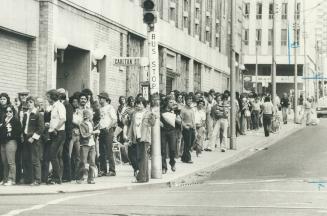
(199, 116)
(107, 116)
(58, 113)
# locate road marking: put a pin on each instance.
(52, 202)
(226, 206)
(248, 191)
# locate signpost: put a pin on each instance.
(130, 61)
(156, 169)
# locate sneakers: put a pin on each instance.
(9, 183)
(91, 182)
(35, 183)
(111, 173)
(164, 171)
(173, 168)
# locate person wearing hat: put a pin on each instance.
(22, 109)
(33, 125)
(108, 120)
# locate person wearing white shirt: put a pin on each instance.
(108, 120)
(200, 122)
(57, 134)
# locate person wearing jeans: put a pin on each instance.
(87, 150)
(268, 111)
(108, 120)
(284, 102)
(168, 134)
(188, 123)
(57, 134)
(33, 125)
(10, 132)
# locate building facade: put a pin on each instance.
(71, 44)
(258, 41)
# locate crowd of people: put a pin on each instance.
(63, 139)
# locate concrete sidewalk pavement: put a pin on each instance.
(185, 173)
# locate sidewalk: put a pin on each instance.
(185, 173)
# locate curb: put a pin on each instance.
(195, 177)
(207, 171)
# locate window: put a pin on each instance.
(298, 37)
(208, 21)
(284, 37)
(246, 37)
(197, 13)
(197, 29)
(121, 42)
(284, 11)
(172, 14)
(217, 28)
(185, 22)
(271, 11)
(246, 10)
(270, 37)
(208, 36)
(258, 36)
(298, 10)
(209, 5)
(218, 9)
(259, 10)
(186, 6)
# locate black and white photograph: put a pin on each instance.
(163, 107)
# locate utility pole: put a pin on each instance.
(296, 44)
(273, 62)
(305, 68)
(316, 72)
(256, 66)
(232, 79)
(150, 18)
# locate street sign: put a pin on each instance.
(154, 63)
(130, 61)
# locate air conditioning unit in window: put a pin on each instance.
(208, 14)
(217, 21)
(197, 5)
(185, 14)
(196, 21)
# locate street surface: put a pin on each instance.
(288, 178)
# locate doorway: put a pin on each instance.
(73, 70)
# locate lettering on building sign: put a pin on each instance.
(127, 61)
(154, 63)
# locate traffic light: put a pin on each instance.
(149, 12)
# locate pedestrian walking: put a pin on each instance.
(284, 102)
(268, 111)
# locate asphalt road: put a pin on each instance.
(289, 178)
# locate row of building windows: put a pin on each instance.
(211, 25)
(284, 37)
(272, 9)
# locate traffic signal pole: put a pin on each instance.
(150, 18)
(156, 167)
(232, 80)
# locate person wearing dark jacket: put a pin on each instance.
(285, 102)
(33, 125)
(4, 103)
(10, 132)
